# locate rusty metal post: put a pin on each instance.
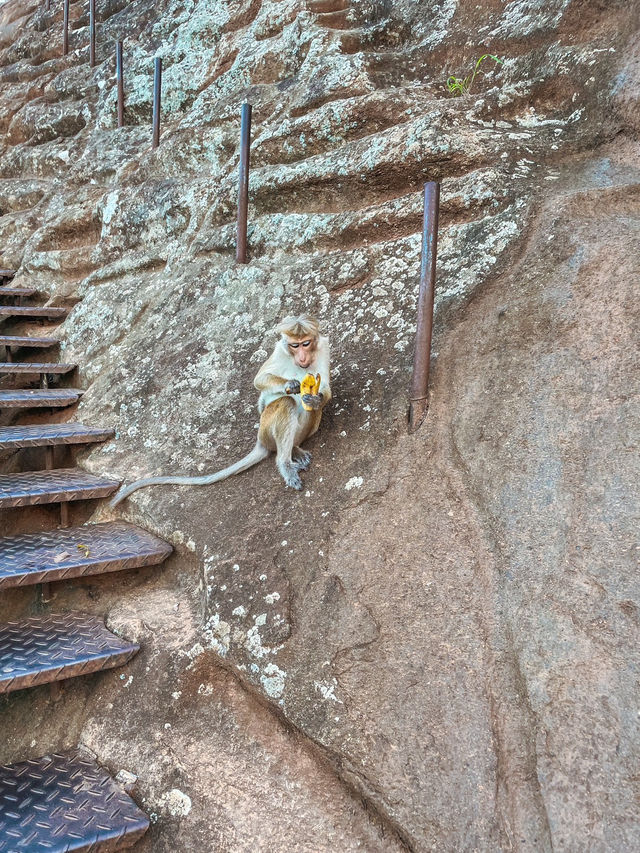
(44, 593)
(120, 79)
(92, 33)
(44, 589)
(422, 355)
(157, 87)
(65, 32)
(243, 185)
(55, 691)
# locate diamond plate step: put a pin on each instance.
(18, 291)
(55, 647)
(65, 802)
(78, 551)
(28, 488)
(52, 313)
(35, 367)
(46, 435)
(26, 341)
(27, 398)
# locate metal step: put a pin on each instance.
(52, 313)
(18, 291)
(30, 488)
(35, 367)
(77, 551)
(55, 647)
(46, 435)
(65, 802)
(30, 398)
(5, 273)
(26, 341)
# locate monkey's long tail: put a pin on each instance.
(258, 453)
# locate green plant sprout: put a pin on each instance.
(458, 86)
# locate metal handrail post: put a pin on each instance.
(92, 33)
(65, 28)
(120, 80)
(243, 184)
(419, 402)
(157, 90)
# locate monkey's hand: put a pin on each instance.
(313, 401)
(292, 387)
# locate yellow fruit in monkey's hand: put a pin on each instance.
(309, 385)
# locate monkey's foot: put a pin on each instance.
(294, 481)
(301, 459)
(291, 477)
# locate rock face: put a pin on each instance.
(435, 645)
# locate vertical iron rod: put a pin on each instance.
(65, 33)
(157, 87)
(45, 588)
(55, 691)
(243, 184)
(48, 5)
(92, 33)
(422, 355)
(120, 78)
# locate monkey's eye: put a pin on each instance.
(305, 343)
(294, 346)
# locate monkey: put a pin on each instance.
(284, 422)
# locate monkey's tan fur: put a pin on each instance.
(284, 422)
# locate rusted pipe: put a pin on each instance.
(56, 688)
(65, 30)
(120, 79)
(157, 87)
(92, 33)
(422, 355)
(243, 184)
(45, 596)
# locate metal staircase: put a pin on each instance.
(61, 802)
(47, 398)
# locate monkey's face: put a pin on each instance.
(302, 351)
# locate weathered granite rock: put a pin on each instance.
(435, 644)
